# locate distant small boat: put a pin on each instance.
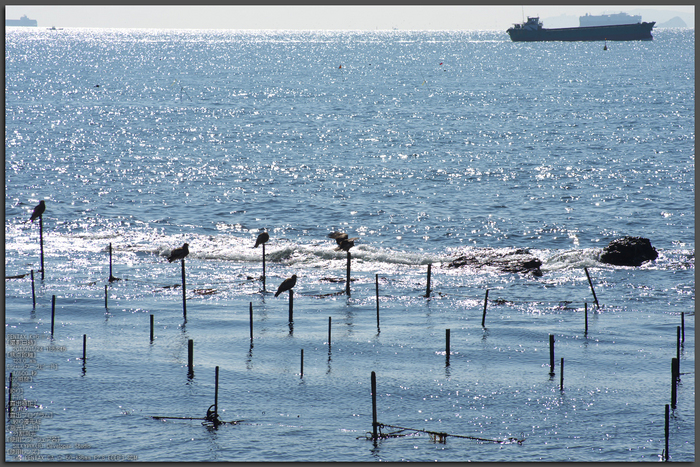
(23, 21)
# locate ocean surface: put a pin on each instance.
(426, 146)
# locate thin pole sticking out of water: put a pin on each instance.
(682, 320)
(53, 312)
(190, 355)
(105, 296)
(376, 288)
(263, 277)
(666, 423)
(347, 282)
(302, 364)
(447, 347)
(551, 355)
(33, 293)
(486, 301)
(251, 313)
(561, 375)
(329, 332)
(184, 297)
(110, 262)
(151, 327)
(84, 347)
(586, 308)
(592, 290)
(9, 397)
(216, 393)
(678, 343)
(674, 380)
(427, 287)
(374, 406)
(41, 243)
(291, 305)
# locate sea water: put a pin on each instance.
(424, 145)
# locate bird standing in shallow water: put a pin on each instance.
(38, 210)
(287, 284)
(262, 238)
(179, 253)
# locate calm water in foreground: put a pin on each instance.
(426, 146)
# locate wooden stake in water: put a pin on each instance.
(33, 294)
(427, 287)
(291, 305)
(592, 290)
(682, 321)
(551, 355)
(666, 430)
(302, 363)
(151, 328)
(190, 355)
(263, 276)
(674, 381)
(105, 296)
(374, 406)
(329, 331)
(678, 343)
(111, 277)
(251, 315)
(41, 243)
(53, 312)
(347, 282)
(486, 301)
(9, 397)
(586, 308)
(216, 393)
(376, 287)
(184, 296)
(447, 347)
(84, 346)
(561, 374)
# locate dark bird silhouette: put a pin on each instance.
(262, 238)
(345, 245)
(179, 253)
(341, 237)
(287, 284)
(38, 210)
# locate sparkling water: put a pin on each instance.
(424, 145)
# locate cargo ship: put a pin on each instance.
(23, 21)
(533, 31)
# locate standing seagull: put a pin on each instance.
(262, 238)
(38, 210)
(287, 284)
(179, 253)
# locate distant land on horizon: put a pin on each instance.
(663, 18)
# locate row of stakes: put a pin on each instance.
(213, 416)
(212, 413)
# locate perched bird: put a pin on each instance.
(345, 245)
(287, 284)
(179, 253)
(341, 237)
(262, 238)
(38, 210)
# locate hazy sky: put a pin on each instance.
(449, 17)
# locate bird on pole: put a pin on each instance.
(262, 238)
(287, 284)
(345, 245)
(341, 237)
(179, 253)
(38, 210)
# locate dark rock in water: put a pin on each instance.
(517, 260)
(628, 251)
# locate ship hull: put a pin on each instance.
(622, 32)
